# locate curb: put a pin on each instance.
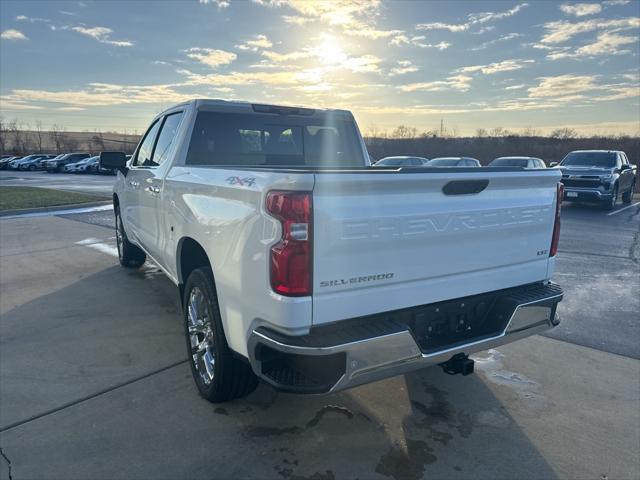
(68, 206)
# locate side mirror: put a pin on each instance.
(553, 164)
(114, 161)
(625, 167)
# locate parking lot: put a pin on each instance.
(95, 382)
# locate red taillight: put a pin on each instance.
(556, 224)
(291, 256)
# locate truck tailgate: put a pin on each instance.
(384, 241)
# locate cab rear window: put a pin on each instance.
(273, 141)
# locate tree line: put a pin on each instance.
(17, 138)
(498, 142)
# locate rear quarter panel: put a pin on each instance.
(223, 210)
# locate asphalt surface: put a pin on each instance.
(94, 381)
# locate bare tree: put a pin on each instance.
(481, 133)
(402, 131)
(68, 143)
(57, 132)
(564, 133)
(39, 135)
(97, 142)
(4, 140)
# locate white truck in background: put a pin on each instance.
(300, 265)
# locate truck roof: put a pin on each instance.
(244, 106)
(597, 151)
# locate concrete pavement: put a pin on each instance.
(94, 381)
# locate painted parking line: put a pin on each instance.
(100, 246)
(623, 208)
(69, 211)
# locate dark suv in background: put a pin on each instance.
(598, 176)
(57, 164)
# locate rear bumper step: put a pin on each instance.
(353, 352)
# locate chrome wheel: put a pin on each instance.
(201, 338)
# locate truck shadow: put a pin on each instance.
(116, 328)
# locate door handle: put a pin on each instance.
(134, 184)
(153, 189)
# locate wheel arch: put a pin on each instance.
(190, 255)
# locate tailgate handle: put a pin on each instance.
(464, 187)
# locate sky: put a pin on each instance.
(112, 65)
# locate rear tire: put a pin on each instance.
(129, 255)
(60, 169)
(611, 203)
(628, 195)
(219, 375)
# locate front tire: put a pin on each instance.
(218, 374)
(611, 203)
(628, 195)
(32, 168)
(129, 255)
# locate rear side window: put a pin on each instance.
(165, 139)
(253, 139)
(145, 150)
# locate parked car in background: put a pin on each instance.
(525, 162)
(43, 161)
(80, 166)
(401, 161)
(4, 163)
(34, 163)
(15, 164)
(102, 170)
(58, 164)
(598, 176)
(453, 162)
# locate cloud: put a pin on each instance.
(454, 82)
(472, 19)
(497, 67)
(611, 3)
(516, 87)
(24, 18)
(404, 67)
(563, 85)
(503, 38)
(354, 17)
(12, 35)
(418, 41)
(571, 87)
(606, 44)
(211, 57)
(581, 9)
(218, 3)
(99, 95)
(101, 34)
(561, 31)
(256, 43)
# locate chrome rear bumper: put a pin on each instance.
(378, 357)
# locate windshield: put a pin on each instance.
(590, 159)
(509, 162)
(255, 139)
(443, 162)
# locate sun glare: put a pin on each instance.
(330, 52)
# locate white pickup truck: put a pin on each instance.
(301, 265)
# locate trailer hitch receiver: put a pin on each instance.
(459, 363)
